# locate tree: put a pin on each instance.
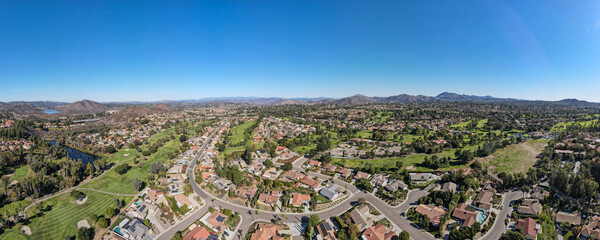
(111, 212)
(183, 138)
(5, 181)
(110, 149)
(137, 184)
(512, 235)
(361, 201)
(86, 233)
(156, 167)
(313, 220)
(89, 169)
(268, 163)
(103, 222)
(287, 166)
(404, 235)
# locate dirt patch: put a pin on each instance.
(83, 223)
(411, 167)
(25, 230)
(514, 158)
(81, 201)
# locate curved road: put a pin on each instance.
(392, 213)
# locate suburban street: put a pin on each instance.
(249, 214)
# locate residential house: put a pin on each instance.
(468, 218)
(255, 168)
(573, 218)
(395, 185)
(421, 177)
(246, 192)
(527, 227)
(310, 183)
(200, 233)
(377, 232)
(484, 199)
(298, 199)
(268, 198)
(313, 164)
(360, 218)
(134, 229)
(266, 231)
(329, 168)
(183, 200)
(448, 186)
(330, 192)
(434, 213)
(362, 175)
(379, 180)
(291, 176)
(592, 229)
(325, 232)
(344, 172)
(530, 207)
(271, 173)
(217, 221)
(222, 184)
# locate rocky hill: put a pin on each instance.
(82, 107)
(20, 108)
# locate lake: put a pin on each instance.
(50, 111)
(79, 155)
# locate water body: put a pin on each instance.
(50, 111)
(79, 155)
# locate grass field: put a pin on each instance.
(13, 234)
(115, 183)
(515, 158)
(237, 133)
(559, 127)
(19, 174)
(482, 123)
(461, 125)
(62, 219)
(11, 207)
(160, 135)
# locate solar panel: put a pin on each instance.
(142, 208)
(220, 218)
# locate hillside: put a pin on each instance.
(20, 108)
(82, 107)
(131, 113)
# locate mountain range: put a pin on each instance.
(88, 106)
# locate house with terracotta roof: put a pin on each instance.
(377, 232)
(313, 163)
(527, 227)
(362, 175)
(200, 233)
(217, 221)
(344, 172)
(434, 213)
(268, 198)
(468, 218)
(183, 200)
(298, 199)
(592, 229)
(266, 231)
(310, 183)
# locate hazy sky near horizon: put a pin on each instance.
(157, 50)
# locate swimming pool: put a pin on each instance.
(138, 202)
(480, 217)
(118, 230)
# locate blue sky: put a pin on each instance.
(156, 50)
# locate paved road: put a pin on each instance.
(499, 227)
(250, 215)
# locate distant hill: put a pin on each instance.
(455, 97)
(20, 108)
(357, 99)
(82, 107)
(131, 113)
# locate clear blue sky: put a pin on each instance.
(155, 50)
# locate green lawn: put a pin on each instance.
(364, 134)
(13, 234)
(461, 125)
(482, 123)
(20, 173)
(515, 158)
(115, 183)
(411, 160)
(62, 219)
(160, 135)
(237, 133)
(559, 127)
(11, 207)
